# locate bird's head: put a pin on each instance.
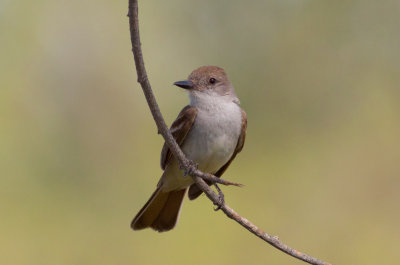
(210, 80)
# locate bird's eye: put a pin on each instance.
(212, 80)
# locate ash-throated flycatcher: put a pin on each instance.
(210, 131)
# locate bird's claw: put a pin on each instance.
(221, 198)
(190, 169)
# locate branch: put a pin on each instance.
(187, 165)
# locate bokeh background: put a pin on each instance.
(79, 152)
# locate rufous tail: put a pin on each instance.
(161, 212)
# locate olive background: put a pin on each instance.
(79, 150)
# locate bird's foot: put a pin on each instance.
(221, 199)
(190, 169)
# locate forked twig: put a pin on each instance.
(186, 164)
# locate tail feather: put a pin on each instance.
(169, 215)
(161, 212)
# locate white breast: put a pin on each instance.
(214, 135)
(210, 142)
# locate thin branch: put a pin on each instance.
(187, 165)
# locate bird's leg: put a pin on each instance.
(190, 168)
(221, 200)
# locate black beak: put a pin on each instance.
(184, 84)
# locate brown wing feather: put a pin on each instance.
(179, 129)
(194, 191)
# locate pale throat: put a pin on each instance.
(211, 101)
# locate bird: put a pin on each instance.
(211, 131)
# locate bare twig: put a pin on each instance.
(188, 165)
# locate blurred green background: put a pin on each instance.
(79, 152)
